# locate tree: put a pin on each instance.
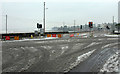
(118, 26)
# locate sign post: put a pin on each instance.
(39, 26)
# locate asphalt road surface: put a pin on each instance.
(59, 55)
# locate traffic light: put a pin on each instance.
(39, 25)
(107, 27)
(80, 26)
(91, 24)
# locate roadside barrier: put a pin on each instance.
(48, 35)
(59, 35)
(16, 38)
(72, 35)
(79, 35)
(7, 37)
(10, 37)
(54, 35)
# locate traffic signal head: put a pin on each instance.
(91, 24)
(107, 27)
(39, 25)
(81, 27)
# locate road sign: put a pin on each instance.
(36, 32)
(41, 31)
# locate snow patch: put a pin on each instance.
(111, 35)
(46, 47)
(112, 39)
(80, 59)
(84, 56)
(31, 39)
(93, 43)
(100, 39)
(112, 64)
(109, 45)
(64, 49)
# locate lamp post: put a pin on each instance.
(6, 24)
(44, 18)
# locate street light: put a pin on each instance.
(44, 17)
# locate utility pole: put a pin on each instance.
(74, 26)
(44, 18)
(113, 27)
(6, 24)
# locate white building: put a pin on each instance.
(119, 12)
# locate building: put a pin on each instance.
(119, 12)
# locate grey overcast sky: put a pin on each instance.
(24, 14)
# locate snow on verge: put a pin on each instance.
(111, 35)
(32, 39)
(112, 64)
(80, 59)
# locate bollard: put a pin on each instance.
(31, 36)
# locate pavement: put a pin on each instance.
(60, 55)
